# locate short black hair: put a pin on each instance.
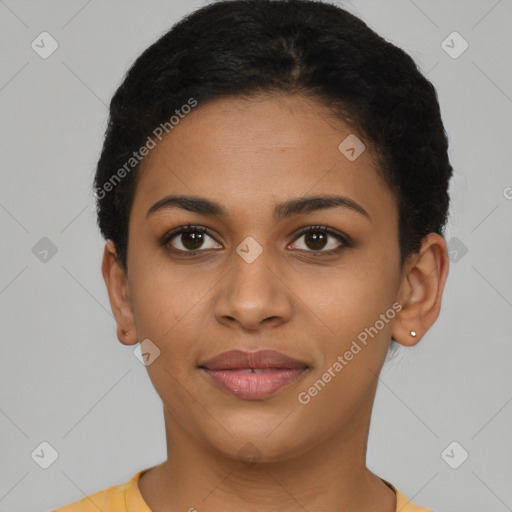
(241, 48)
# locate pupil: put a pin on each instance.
(317, 240)
(194, 237)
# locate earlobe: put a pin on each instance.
(421, 290)
(119, 295)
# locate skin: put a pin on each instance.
(249, 155)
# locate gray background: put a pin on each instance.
(66, 380)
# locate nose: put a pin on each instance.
(253, 295)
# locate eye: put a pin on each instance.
(190, 239)
(316, 239)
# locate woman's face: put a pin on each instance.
(255, 282)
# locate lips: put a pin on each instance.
(253, 375)
(240, 360)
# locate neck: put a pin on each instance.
(328, 475)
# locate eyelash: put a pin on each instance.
(344, 239)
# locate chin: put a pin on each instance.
(252, 442)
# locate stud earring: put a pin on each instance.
(413, 333)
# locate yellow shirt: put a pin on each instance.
(127, 498)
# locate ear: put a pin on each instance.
(119, 295)
(421, 290)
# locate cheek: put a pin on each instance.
(352, 353)
(355, 298)
(165, 298)
(166, 304)
(356, 306)
(171, 309)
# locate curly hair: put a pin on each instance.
(247, 47)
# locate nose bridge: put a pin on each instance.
(252, 291)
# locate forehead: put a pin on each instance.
(250, 153)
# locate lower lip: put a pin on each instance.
(254, 386)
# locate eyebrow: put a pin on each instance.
(281, 211)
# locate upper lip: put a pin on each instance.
(239, 359)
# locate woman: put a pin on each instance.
(273, 192)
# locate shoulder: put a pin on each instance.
(111, 499)
(404, 504)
